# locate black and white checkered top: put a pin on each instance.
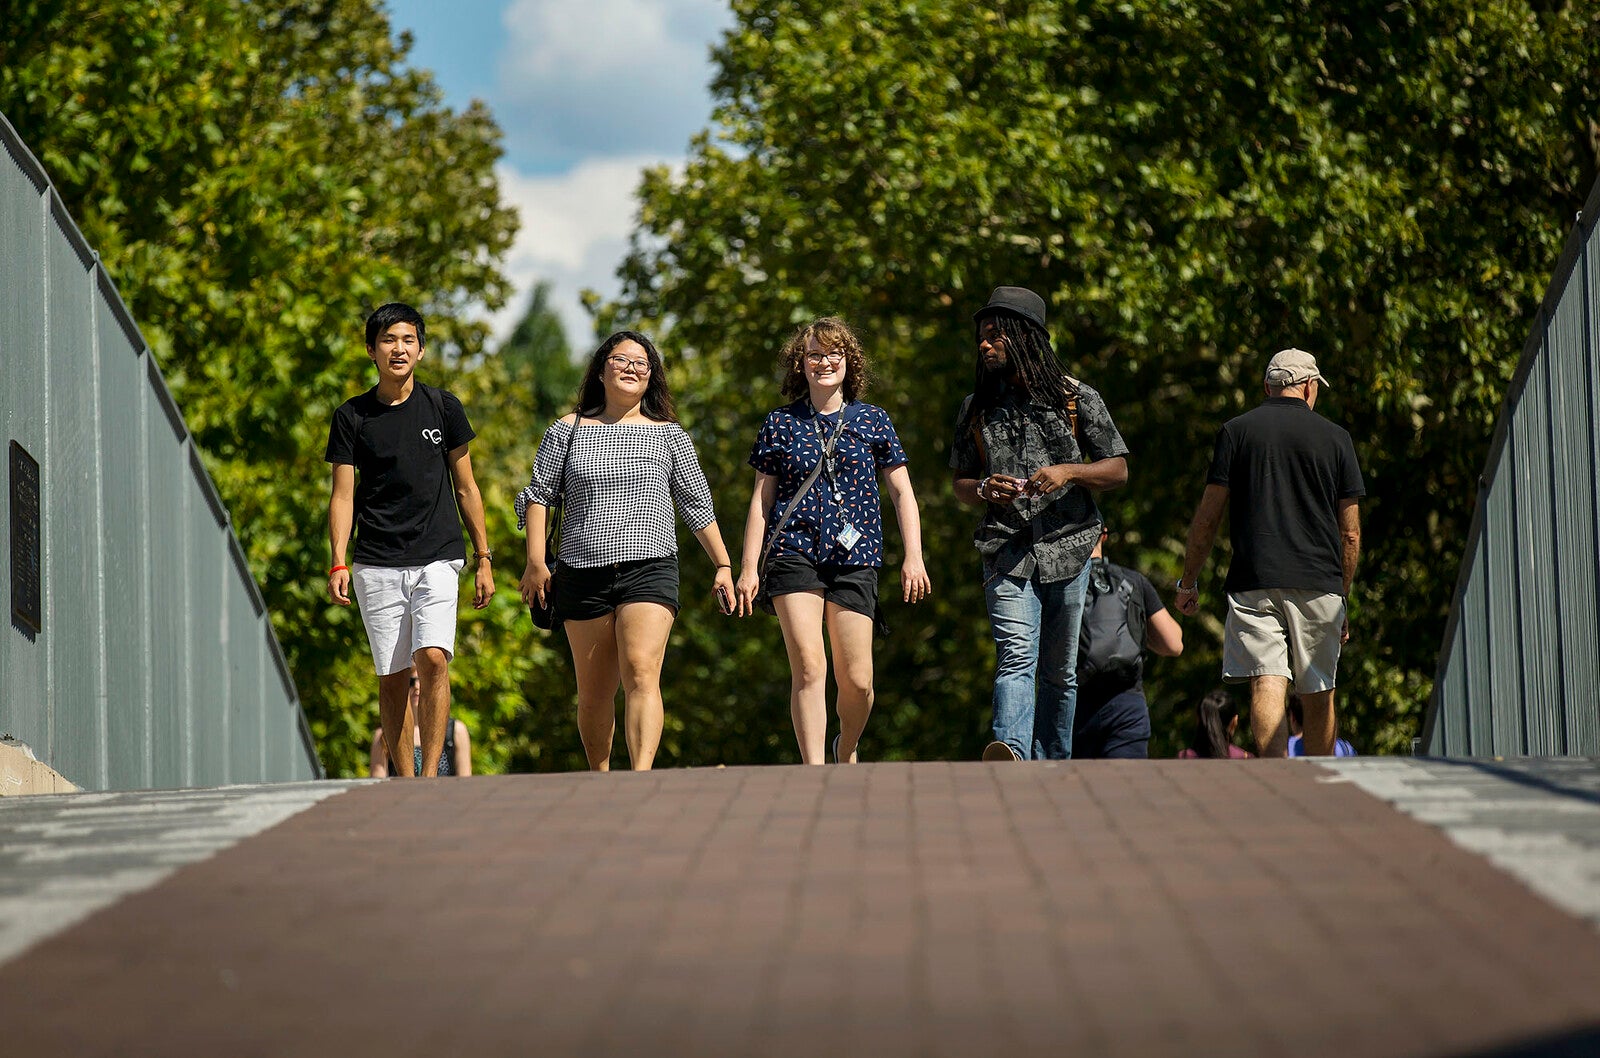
(622, 483)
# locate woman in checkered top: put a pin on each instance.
(630, 464)
(822, 562)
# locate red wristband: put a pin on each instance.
(336, 569)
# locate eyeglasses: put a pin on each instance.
(622, 363)
(834, 357)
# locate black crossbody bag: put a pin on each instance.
(544, 613)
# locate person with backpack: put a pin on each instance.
(401, 474)
(1122, 617)
(1032, 446)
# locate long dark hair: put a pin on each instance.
(1211, 719)
(657, 403)
(1032, 358)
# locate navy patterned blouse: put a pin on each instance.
(788, 447)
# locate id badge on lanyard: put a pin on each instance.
(848, 536)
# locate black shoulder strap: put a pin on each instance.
(552, 537)
(800, 494)
(437, 401)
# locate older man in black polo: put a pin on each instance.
(1290, 483)
(1032, 444)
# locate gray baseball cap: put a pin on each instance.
(1290, 367)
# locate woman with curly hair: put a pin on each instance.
(817, 462)
(620, 463)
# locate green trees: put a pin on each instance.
(1194, 185)
(257, 178)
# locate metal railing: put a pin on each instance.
(139, 652)
(1519, 672)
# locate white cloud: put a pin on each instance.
(610, 77)
(575, 229)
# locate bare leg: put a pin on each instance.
(394, 715)
(1269, 715)
(642, 631)
(1320, 723)
(851, 636)
(594, 657)
(433, 704)
(800, 616)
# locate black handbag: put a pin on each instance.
(544, 613)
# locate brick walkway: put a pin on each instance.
(1102, 908)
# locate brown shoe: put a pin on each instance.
(1000, 751)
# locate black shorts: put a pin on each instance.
(852, 587)
(583, 594)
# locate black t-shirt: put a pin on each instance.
(405, 504)
(1286, 469)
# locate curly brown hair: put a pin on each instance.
(832, 334)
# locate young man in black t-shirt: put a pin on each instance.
(400, 470)
(1290, 483)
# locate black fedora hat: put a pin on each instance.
(1019, 301)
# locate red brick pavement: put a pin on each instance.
(1101, 908)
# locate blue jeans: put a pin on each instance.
(1036, 665)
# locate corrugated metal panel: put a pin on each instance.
(72, 519)
(1535, 560)
(24, 703)
(246, 720)
(1451, 736)
(1500, 725)
(124, 539)
(1479, 675)
(208, 665)
(1521, 664)
(1583, 708)
(1573, 496)
(168, 627)
(150, 616)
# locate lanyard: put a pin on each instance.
(829, 444)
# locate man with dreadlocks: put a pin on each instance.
(1031, 446)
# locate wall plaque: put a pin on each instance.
(26, 598)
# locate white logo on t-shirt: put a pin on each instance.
(435, 436)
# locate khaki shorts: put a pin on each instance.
(1284, 632)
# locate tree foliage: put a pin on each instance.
(1194, 184)
(257, 177)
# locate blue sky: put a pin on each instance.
(588, 92)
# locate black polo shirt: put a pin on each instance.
(1286, 468)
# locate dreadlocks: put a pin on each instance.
(1034, 362)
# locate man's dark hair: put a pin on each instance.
(657, 402)
(385, 316)
(1031, 357)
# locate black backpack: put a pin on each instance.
(1111, 640)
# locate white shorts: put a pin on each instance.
(1289, 632)
(407, 608)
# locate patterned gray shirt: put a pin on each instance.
(621, 485)
(1048, 537)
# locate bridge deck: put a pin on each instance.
(1106, 908)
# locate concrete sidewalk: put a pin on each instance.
(1097, 908)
